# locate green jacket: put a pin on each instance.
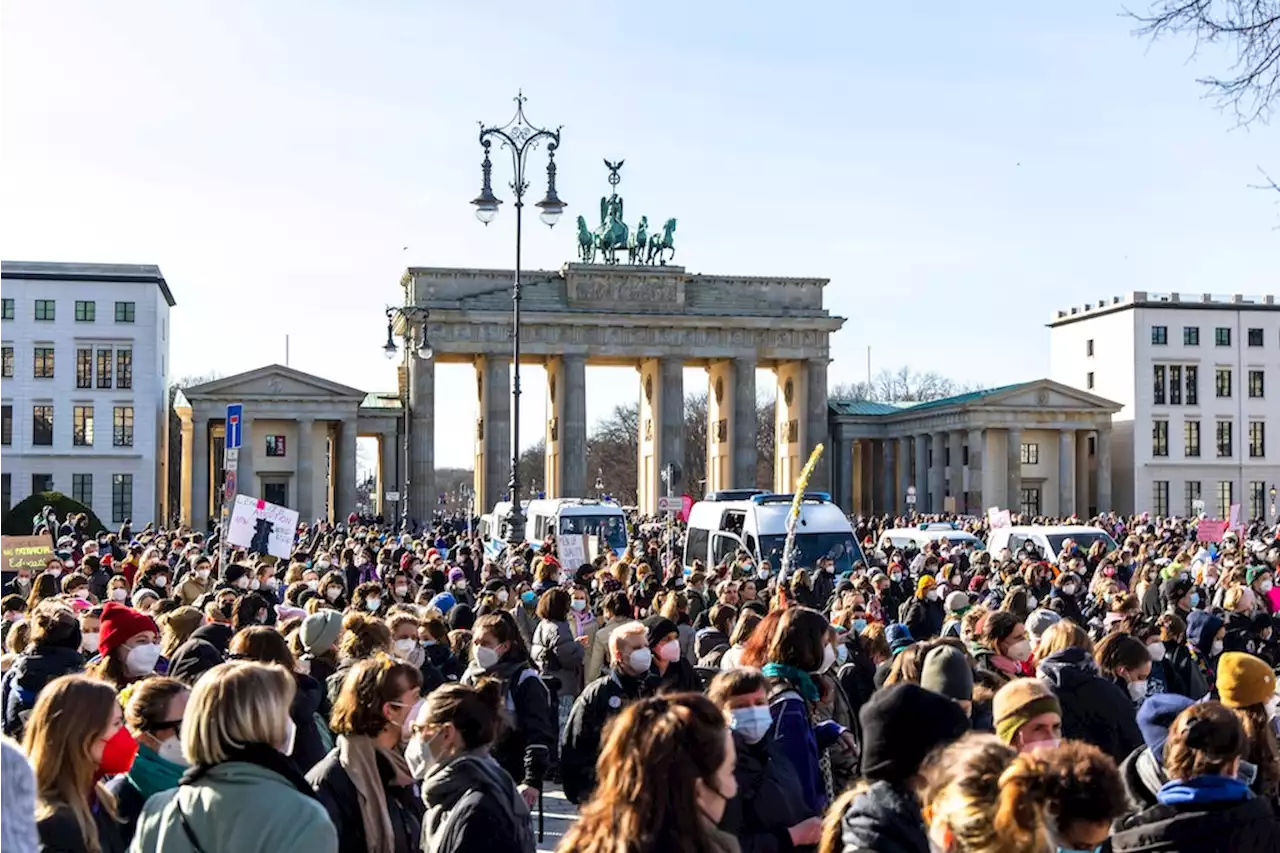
(236, 806)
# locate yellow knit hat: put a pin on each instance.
(1244, 680)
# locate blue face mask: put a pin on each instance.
(1195, 599)
(751, 722)
(527, 596)
(859, 625)
(1062, 849)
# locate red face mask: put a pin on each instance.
(118, 754)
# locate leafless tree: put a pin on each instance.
(694, 480)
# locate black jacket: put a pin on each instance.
(1240, 827)
(1239, 635)
(59, 832)
(28, 676)
(473, 806)
(341, 799)
(598, 703)
(883, 819)
(709, 646)
(443, 659)
(857, 676)
(525, 747)
(1143, 776)
(768, 803)
(923, 618)
(1181, 674)
(680, 677)
(1093, 709)
(308, 747)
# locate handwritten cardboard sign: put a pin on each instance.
(263, 528)
(25, 552)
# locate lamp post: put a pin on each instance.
(519, 137)
(417, 347)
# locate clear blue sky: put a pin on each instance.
(957, 170)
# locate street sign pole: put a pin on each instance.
(230, 486)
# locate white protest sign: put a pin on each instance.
(573, 551)
(262, 527)
(997, 517)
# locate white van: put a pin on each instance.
(1047, 539)
(568, 516)
(718, 528)
(918, 537)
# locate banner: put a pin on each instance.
(1210, 530)
(262, 528)
(686, 504)
(25, 552)
(997, 517)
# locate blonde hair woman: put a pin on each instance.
(76, 735)
(243, 793)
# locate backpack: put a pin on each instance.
(545, 655)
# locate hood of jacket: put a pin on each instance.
(42, 664)
(503, 671)
(884, 818)
(471, 771)
(1067, 670)
(1202, 627)
(708, 640)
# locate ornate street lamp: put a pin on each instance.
(519, 137)
(415, 343)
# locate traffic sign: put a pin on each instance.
(235, 415)
(911, 499)
(229, 489)
(670, 503)
(911, 493)
(393, 496)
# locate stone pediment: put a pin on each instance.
(274, 381)
(1044, 394)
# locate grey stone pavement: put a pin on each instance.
(560, 815)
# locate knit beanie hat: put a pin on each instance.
(233, 573)
(444, 602)
(1019, 702)
(1252, 573)
(925, 584)
(946, 671)
(120, 624)
(1039, 621)
(1155, 715)
(957, 601)
(898, 636)
(320, 631)
(977, 583)
(658, 628)
(901, 724)
(1244, 680)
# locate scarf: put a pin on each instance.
(264, 756)
(151, 774)
(802, 680)
(358, 755)
(1202, 790)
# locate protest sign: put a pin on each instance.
(263, 528)
(1210, 530)
(25, 552)
(997, 517)
(573, 550)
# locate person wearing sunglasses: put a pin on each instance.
(154, 718)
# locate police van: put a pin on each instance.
(559, 516)
(757, 522)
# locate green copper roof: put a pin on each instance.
(381, 400)
(960, 399)
(865, 407)
(871, 408)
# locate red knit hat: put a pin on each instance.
(120, 624)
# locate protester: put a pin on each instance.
(670, 670)
(265, 645)
(1027, 715)
(154, 717)
(54, 651)
(557, 652)
(1143, 771)
(18, 832)
(128, 646)
(1246, 685)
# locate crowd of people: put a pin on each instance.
(393, 692)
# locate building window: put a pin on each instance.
(82, 489)
(1088, 348)
(1224, 439)
(42, 426)
(125, 312)
(82, 426)
(1191, 438)
(1093, 445)
(122, 427)
(6, 425)
(1255, 384)
(1255, 337)
(1030, 453)
(41, 483)
(1257, 499)
(124, 368)
(1222, 381)
(86, 312)
(7, 361)
(84, 368)
(45, 309)
(1157, 395)
(104, 368)
(1222, 337)
(1160, 438)
(1160, 492)
(1029, 500)
(1257, 439)
(1193, 498)
(43, 367)
(1193, 385)
(1159, 335)
(1191, 336)
(275, 445)
(1226, 496)
(6, 315)
(121, 498)
(1088, 380)
(1175, 384)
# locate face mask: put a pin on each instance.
(1138, 689)
(89, 642)
(1216, 648)
(420, 757)
(503, 595)
(333, 592)
(752, 722)
(831, 570)
(579, 605)
(255, 585)
(763, 574)
(1156, 650)
(372, 603)
(406, 725)
(202, 574)
(119, 593)
(527, 596)
(1265, 586)
(1019, 651)
(640, 660)
(312, 584)
(486, 658)
(161, 581)
(243, 583)
(24, 580)
(405, 647)
(1047, 743)
(895, 576)
(290, 733)
(1069, 589)
(141, 660)
(828, 659)
(54, 573)
(118, 754)
(932, 595)
(171, 751)
(402, 590)
(842, 654)
(859, 625)
(670, 651)
(1194, 599)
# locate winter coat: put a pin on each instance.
(1093, 709)
(598, 703)
(558, 655)
(192, 588)
(530, 724)
(923, 618)
(526, 621)
(308, 744)
(442, 658)
(801, 742)
(709, 647)
(1069, 606)
(131, 789)
(598, 653)
(60, 833)
(341, 799)
(1142, 775)
(680, 677)
(768, 802)
(824, 585)
(884, 818)
(1182, 674)
(1242, 826)
(29, 674)
(473, 806)
(1239, 636)
(835, 705)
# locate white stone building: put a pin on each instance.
(1198, 377)
(85, 378)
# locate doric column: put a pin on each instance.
(1066, 472)
(565, 471)
(345, 470)
(938, 472)
(1104, 468)
(842, 489)
(389, 448)
(1083, 496)
(1013, 486)
(887, 478)
(903, 460)
(920, 476)
(977, 450)
(419, 473)
(672, 437)
(496, 438)
(791, 424)
(198, 508)
(661, 426)
(743, 433)
(304, 499)
(185, 469)
(858, 500)
(955, 473)
(722, 419)
(816, 431)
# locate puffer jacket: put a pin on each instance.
(558, 655)
(28, 676)
(473, 806)
(1093, 708)
(886, 819)
(1242, 826)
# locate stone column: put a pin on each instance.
(389, 448)
(185, 472)
(246, 473)
(1104, 468)
(920, 476)
(345, 469)
(791, 447)
(198, 508)
(977, 449)
(938, 472)
(722, 420)
(818, 417)
(904, 474)
(304, 498)
(1066, 472)
(497, 434)
(955, 475)
(1083, 496)
(672, 437)
(843, 486)
(419, 472)
(887, 479)
(1013, 486)
(858, 465)
(661, 425)
(743, 432)
(565, 472)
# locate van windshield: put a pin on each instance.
(610, 528)
(811, 547)
(1084, 540)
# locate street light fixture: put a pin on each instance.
(519, 137)
(415, 343)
